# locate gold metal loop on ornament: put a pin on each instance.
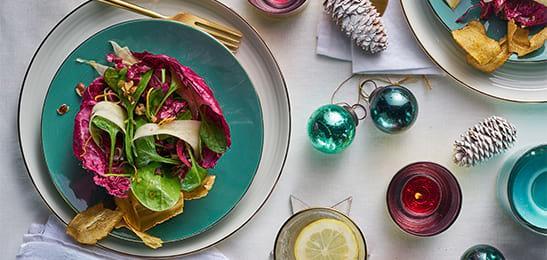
(358, 107)
(366, 88)
(357, 111)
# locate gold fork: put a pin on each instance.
(231, 38)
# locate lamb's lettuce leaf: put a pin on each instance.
(112, 130)
(110, 111)
(155, 188)
(195, 175)
(130, 128)
(146, 152)
(212, 136)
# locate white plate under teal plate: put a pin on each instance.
(519, 82)
(262, 69)
(495, 27)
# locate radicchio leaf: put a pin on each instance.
(526, 13)
(115, 185)
(171, 108)
(92, 157)
(196, 92)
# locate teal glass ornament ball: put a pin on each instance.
(331, 128)
(482, 252)
(393, 109)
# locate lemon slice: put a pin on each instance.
(326, 239)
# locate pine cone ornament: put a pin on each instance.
(360, 21)
(484, 140)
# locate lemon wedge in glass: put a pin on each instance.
(326, 239)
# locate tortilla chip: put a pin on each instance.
(201, 191)
(120, 224)
(143, 219)
(93, 224)
(519, 42)
(452, 3)
(472, 38)
(538, 40)
(150, 241)
(518, 38)
(495, 63)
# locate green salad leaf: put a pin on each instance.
(112, 76)
(195, 175)
(112, 130)
(186, 130)
(157, 192)
(130, 128)
(145, 149)
(139, 91)
(172, 88)
(186, 115)
(146, 152)
(212, 136)
(128, 141)
(153, 100)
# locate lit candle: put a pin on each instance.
(421, 195)
(522, 186)
(279, 7)
(424, 199)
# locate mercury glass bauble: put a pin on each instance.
(331, 128)
(482, 252)
(393, 109)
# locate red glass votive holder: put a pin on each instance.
(424, 199)
(279, 8)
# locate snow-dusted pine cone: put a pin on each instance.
(484, 140)
(360, 21)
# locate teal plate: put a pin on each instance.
(495, 28)
(222, 72)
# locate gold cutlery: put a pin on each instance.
(231, 38)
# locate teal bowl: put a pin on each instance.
(495, 28)
(522, 188)
(222, 72)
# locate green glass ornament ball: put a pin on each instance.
(331, 129)
(482, 252)
(393, 109)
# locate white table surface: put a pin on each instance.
(362, 171)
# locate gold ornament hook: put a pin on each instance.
(366, 88)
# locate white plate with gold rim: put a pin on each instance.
(512, 82)
(92, 17)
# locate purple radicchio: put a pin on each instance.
(526, 13)
(171, 108)
(197, 93)
(92, 157)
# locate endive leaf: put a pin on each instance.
(186, 130)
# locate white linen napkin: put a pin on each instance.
(49, 242)
(402, 56)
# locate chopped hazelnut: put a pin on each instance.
(80, 88)
(140, 109)
(63, 109)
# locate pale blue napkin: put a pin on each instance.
(49, 242)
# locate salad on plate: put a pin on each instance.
(522, 18)
(148, 129)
